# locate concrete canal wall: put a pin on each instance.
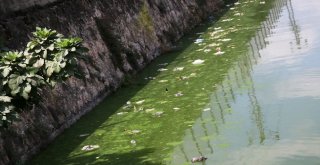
(122, 35)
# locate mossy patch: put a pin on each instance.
(145, 20)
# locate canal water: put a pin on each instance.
(242, 90)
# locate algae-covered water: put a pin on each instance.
(242, 90)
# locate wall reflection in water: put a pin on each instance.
(207, 136)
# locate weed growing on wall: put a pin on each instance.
(49, 58)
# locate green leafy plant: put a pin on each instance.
(49, 58)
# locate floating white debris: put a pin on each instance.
(198, 41)
(84, 135)
(197, 62)
(232, 8)
(89, 147)
(162, 69)
(198, 159)
(227, 20)
(207, 50)
(225, 39)
(133, 142)
(219, 53)
(237, 3)
(163, 81)
(163, 64)
(149, 78)
(176, 108)
(238, 14)
(178, 94)
(183, 77)
(128, 102)
(206, 109)
(213, 45)
(135, 131)
(262, 2)
(216, 32)
(121, 113)
(140, 102)
(149, 110)
(159, 113)
(178, 69)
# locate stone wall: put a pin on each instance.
(122, 35)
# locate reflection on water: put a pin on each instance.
(266, 109)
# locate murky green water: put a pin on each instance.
(255, 103)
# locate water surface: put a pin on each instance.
(254, 102)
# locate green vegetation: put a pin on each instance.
(48, 58)
(145, 19)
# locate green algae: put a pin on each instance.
(152, 106)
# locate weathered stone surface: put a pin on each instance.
(122, 35)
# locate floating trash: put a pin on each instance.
(163, 81)
(206, 109)
(128, 102)
(197, 62)
(84, 135)
(213, 45)
(90, 147)
(262, 2)
(163, 64)
(133, 142)
(197, 41)
(121, 113)
(149, 78)
(178, 69)
(237, 3)
(182, 77)
(178, 94)
(225, 39)
(140, 102)
(232, 8)
(227, 20)
(198, 159)
(133, 132)
(162, 69)
(149, 110)
(219, 53)
(158, 114)
(176, 108)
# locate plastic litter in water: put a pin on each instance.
(90, 147)
(197, 41)
(162, 69)
(197, 62)
(140, 102)
(178, 69)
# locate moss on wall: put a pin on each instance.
(145, 20)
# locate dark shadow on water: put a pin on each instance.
(128, 158)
